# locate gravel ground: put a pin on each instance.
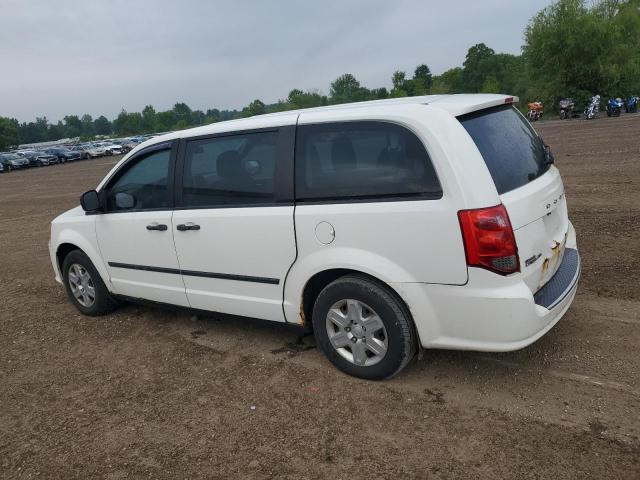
(146, 392)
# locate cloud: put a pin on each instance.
(75, 57)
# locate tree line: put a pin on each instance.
(572, 48)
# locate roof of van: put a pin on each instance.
(456, 104)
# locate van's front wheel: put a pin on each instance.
(85, 288)
(363, 328)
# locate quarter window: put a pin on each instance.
(143, 186)
(230, 170)
(353, 160)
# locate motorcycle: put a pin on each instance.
(536, 110)
(591, 110)
(614, 107)
(566, 108)
(631, 105)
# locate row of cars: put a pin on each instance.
(41, 157)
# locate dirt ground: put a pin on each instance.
(160, 394)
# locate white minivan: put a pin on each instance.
(384, 227)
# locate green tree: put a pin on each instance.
(8, 132)
(72, 126)
(165, 121)
(256, 107)
(347, 89)
(148, 119)
(577, 49)
(422, 78)
(182, 112)
(87, 129)
(299, 99)
(448, 82)
(490, 85)
(478, 65)
(34, 132)
(102, 126)
(397, 79)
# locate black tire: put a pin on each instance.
(103, 302)
(401, 336)
(563, 115)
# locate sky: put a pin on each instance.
(61, 57)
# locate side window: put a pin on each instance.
(362, 160)
(143, 186)
(230, 170)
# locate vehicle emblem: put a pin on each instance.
(532, 260)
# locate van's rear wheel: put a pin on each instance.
(85, 288)
(363, 328)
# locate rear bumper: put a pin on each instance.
(491, 312)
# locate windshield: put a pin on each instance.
(511, 148)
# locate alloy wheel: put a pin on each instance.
(81, 285)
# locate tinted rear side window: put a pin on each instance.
(361, 160)
(512, 150)
(230, 170)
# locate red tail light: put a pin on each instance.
(488, 239)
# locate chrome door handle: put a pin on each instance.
(183, 227)
(157, 226)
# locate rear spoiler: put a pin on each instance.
(462, 104)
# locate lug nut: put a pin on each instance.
(348, 329)
(354, 339)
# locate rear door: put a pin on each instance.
(233, 225)
(529, 187)
(368, 196)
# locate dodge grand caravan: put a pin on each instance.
(384, 227)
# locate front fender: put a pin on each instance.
(83, 236)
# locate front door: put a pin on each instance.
(135, 234)
(233, 223)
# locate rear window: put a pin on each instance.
(512, 150)
(362, 160)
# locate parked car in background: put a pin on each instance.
(112, 148)
(38, 158)
(82, 150)
(123, 143)
(63, 154)
(384, 227)
(95, 150)
(43, 159)
(13, 161)
(132, 143)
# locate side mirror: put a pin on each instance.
(90, 201)
(125, 201)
